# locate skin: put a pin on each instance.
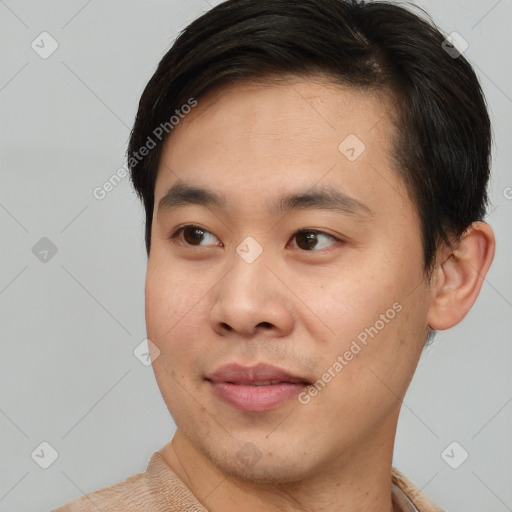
(294, 308)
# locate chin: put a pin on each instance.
(251, 465)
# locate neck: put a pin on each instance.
(359, 483)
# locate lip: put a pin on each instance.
(256, 388)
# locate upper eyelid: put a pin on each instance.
(318, 232)
(307, 230)
(179, 229)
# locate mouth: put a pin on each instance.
(257, 388)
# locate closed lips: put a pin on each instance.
(257, 375)
(255, 389)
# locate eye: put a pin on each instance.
(308, 240)
(193, 235)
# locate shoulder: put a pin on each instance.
(159, 489)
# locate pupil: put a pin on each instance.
(195, 234)
(310, 239)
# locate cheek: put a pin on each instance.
(176, 310)
(170, 306)
(350, 301)
(374, 304)
(164, 309)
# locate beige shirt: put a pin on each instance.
(159, 489)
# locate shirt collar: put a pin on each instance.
(401, 499)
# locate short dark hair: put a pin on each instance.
(443, 135)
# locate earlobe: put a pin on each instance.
(459, 278)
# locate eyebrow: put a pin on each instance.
(320, 198)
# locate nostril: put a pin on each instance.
(263, 325)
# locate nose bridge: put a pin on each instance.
(248, 281)
(249, 263)
(250, 296)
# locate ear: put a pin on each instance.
(458, 280)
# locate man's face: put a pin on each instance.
(332, 296)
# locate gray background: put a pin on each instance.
(69, 325)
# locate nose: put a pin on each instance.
(250, 299)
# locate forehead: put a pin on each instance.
(250, 139)
(290, 106)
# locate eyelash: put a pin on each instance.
(180, 230)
